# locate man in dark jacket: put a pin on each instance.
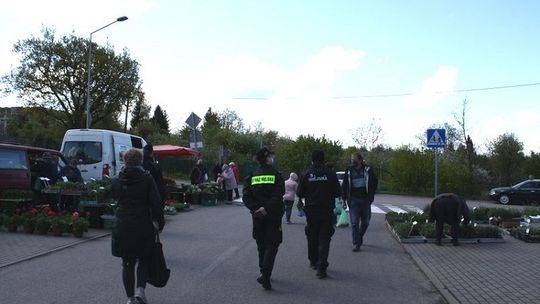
(262, 195)
(71, 172)
(133, 234)
(320, 187)
(150, 165)
(448, 208)
(359, 188)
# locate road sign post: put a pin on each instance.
(436, 138)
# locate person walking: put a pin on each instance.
(448, 208)
(229, 182)
(153, 168)
(319, 187)
(139, 214)
(262, 195)
(359, 188)
(291, 186)
(236, 172)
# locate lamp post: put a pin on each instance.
(88, 99)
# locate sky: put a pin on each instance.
(324, 68)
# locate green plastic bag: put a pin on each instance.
(338, 207)
(343, 219)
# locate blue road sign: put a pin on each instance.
(436, 138)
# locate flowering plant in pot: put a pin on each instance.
(12, 222)
(29, 223)
(79, 224)
(43, 223)
(58, 225)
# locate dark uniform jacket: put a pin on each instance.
(265, 188)
(320, 187)
(154, 169)
(138, 205)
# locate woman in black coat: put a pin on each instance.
(138, 215)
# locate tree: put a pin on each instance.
(506, 159)
(52, 76)
(161, 120)
(368, 135)
(296, 156)
(141, 111)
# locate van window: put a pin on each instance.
(136, 142)
(13, 159)
(86, 152)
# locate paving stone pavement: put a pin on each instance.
(491, 273)
(19, 246)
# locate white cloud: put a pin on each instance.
(439, 85)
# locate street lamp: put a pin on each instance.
(88, 99)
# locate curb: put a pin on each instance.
(54, 250)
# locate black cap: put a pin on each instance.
(262, 154)
(317, 156)
(148, 149)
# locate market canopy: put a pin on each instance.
(171, 150)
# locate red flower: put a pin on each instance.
(34, 211)
(75, 215)
(51, 213)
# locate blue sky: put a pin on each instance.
(299, 58)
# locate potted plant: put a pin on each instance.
(43, 224)
(12, 222)
(79, 225)
(58, 225)
(29, 223)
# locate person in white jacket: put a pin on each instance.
(290, 193)
(229, 182)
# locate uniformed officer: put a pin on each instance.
(320, 187)
(448, 208)
(262, 195)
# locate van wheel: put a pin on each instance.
(504, 199)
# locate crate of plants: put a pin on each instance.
(406, 227)
(526, 234)
(209, 193)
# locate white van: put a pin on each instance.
(99, 152)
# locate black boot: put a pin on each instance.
(265, 282)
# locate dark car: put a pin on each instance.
(525, 192)
(21, 165)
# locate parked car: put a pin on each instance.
(524, 192)
(21, 165)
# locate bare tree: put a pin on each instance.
(368, 135)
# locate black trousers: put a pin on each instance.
(446, 210)
(268, 235)
(128, 274)
(319, 231)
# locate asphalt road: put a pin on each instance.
(213, 259)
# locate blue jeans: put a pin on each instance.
(360, 211)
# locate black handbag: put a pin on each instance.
(158, 273)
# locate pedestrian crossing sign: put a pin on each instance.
(436, 138)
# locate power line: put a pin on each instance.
(410, 94)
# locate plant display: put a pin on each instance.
(210, 188)
(12, 222)
(79, 224)
(43, 223)
(193, 189)
(531, 211)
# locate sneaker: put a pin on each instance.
(132, 301)
(356, 248)
(140, 296)
(265, 282)
(321, 274)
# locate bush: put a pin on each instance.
(504, 213)
(480, 213)
(403, 230)
(488, 231)
(531, 211)
(428, 230)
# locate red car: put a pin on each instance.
(21, 165)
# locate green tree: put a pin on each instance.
(296, 156)
(532, 165)
(141, 110)
(411, 171)
(506, 159)
(161, 120)
(52, 76)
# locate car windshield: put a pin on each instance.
(85, 152)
